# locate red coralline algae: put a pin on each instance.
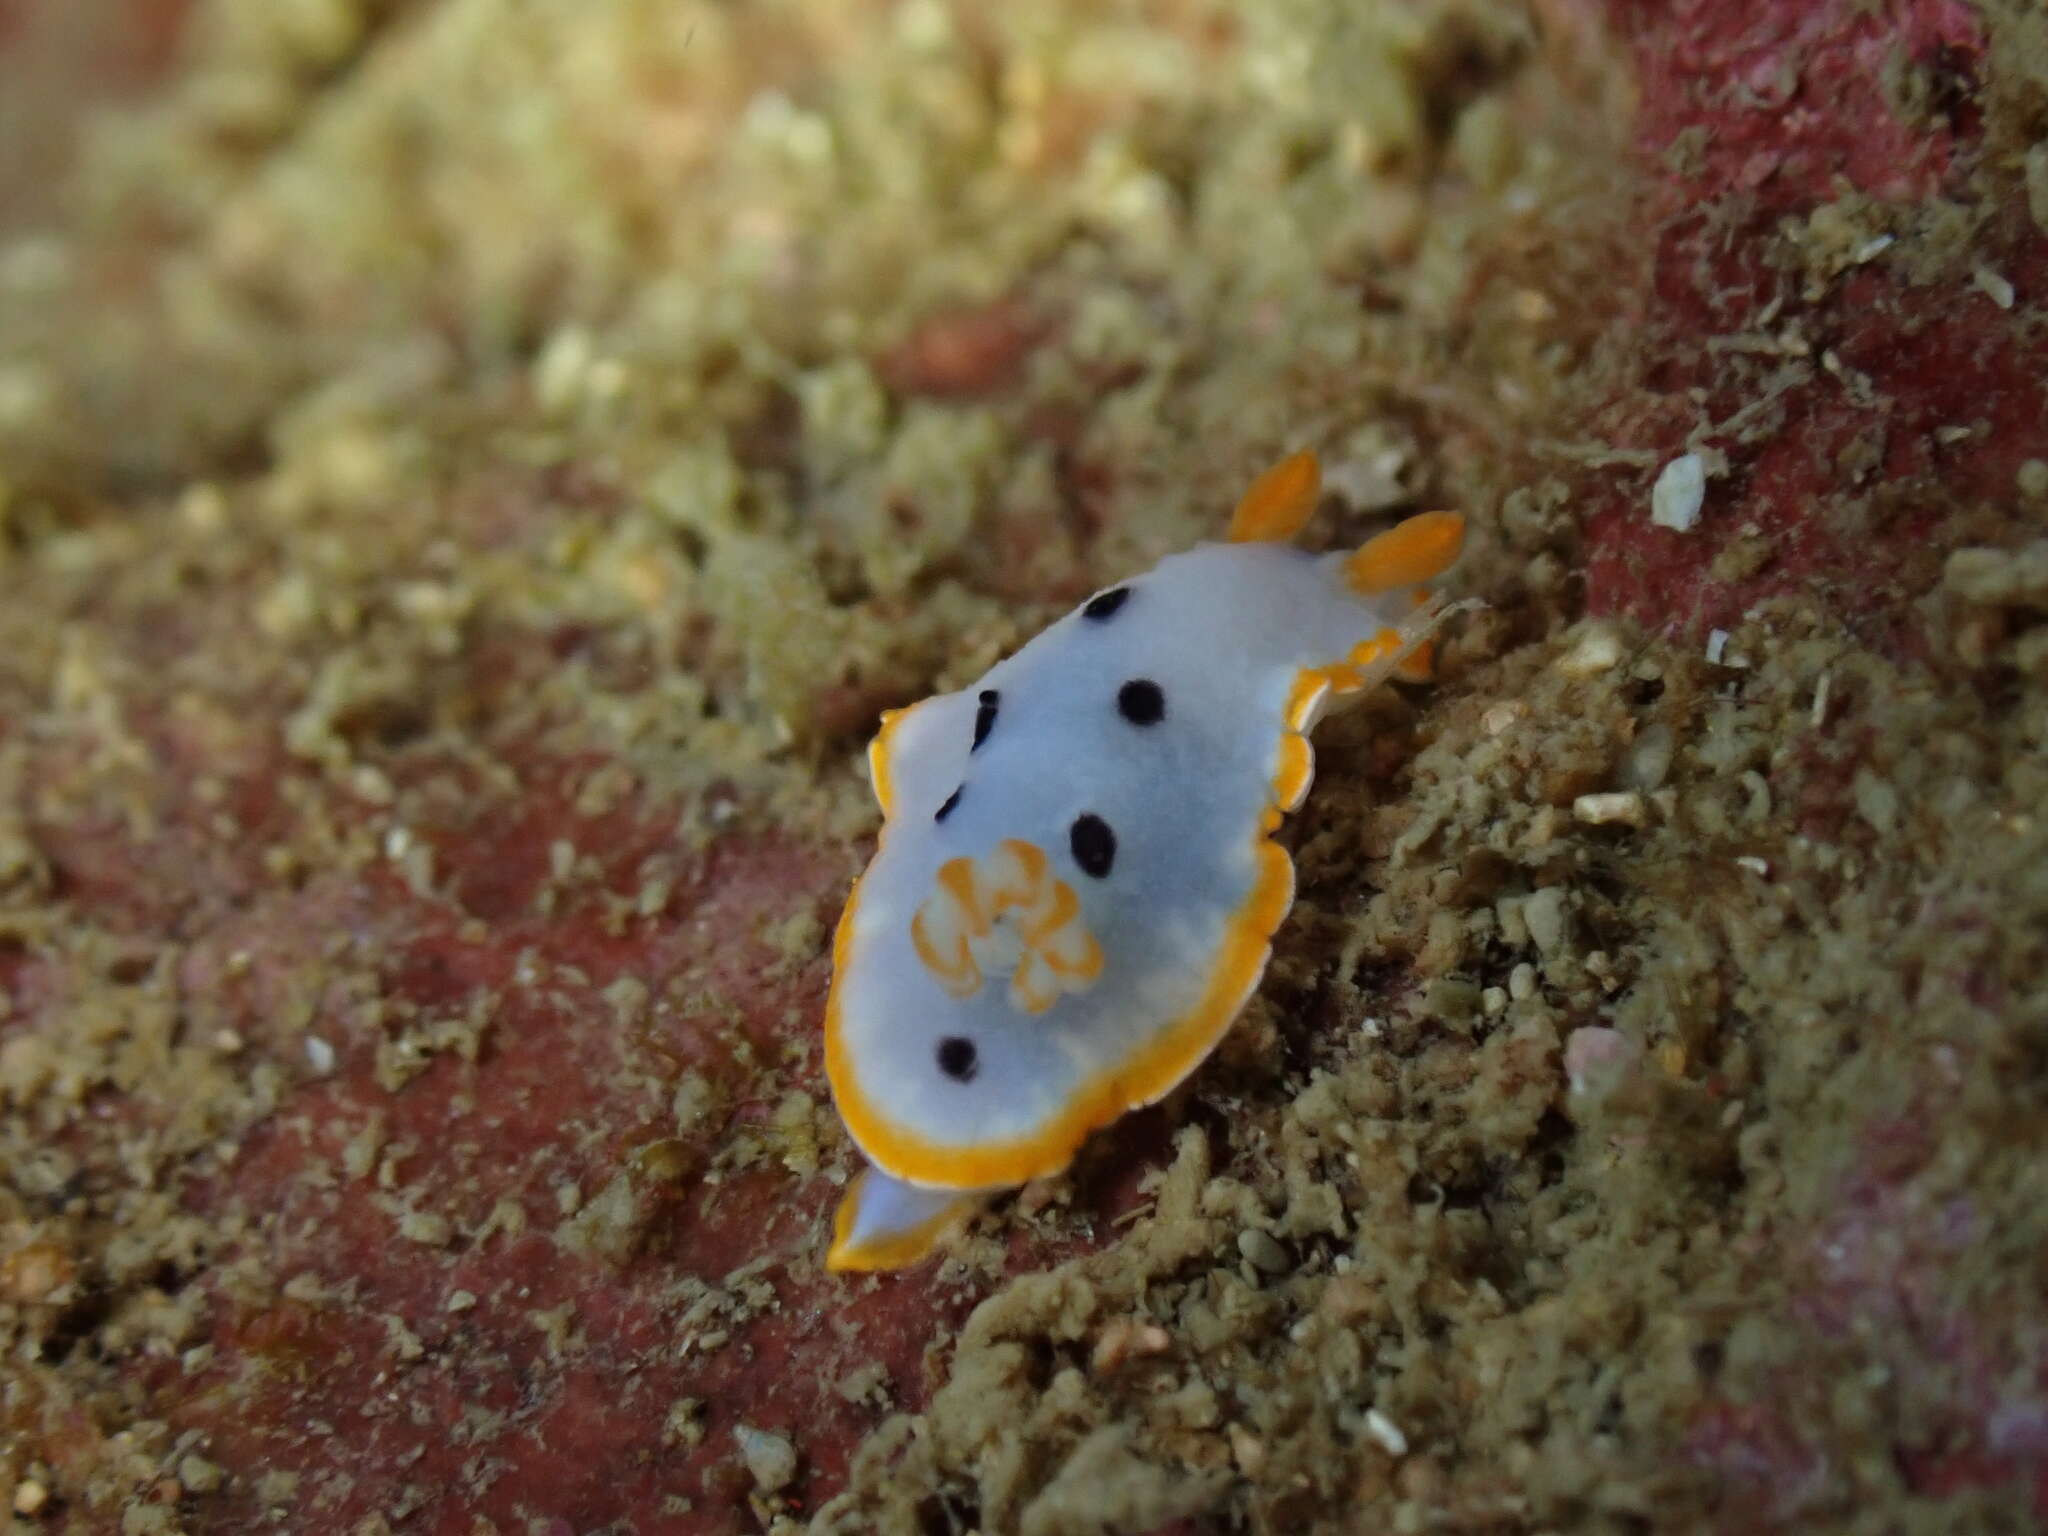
(1866, 384)
(1881, 1285)
(965, 354)
(1794, 99)
(422, 1341)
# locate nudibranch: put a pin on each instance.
(1076, 885)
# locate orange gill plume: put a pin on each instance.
(1007, 912)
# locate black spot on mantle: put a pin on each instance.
(1141, 701)
(958, 1058)
(1093, 844)
(1104, 604)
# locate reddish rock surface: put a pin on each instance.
(1865, 402)
(1906, 388)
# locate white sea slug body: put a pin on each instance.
(1076, 885)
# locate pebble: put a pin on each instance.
(1596, 651)
(1499, 717)
(1265, 1254)
(1548, 922)
(1624, 806)
(1648, 761)
(1124, 1338)
(199, 1474)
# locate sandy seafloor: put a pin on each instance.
(471, 473)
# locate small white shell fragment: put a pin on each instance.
(770, 1459)
(1680, 492)
(1124, 1339)
(561, 858)
(1499, 717)
(1548, 921)
(1994, 287)
(1624, 806)
(1717, 645)
(1387, 1432)
(1247, 1450)
(1597, 651)
(319, 1055)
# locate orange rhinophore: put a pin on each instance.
(1406, 555)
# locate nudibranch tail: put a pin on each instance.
(1279, 502)
(1413, 551)
(884, 1223)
